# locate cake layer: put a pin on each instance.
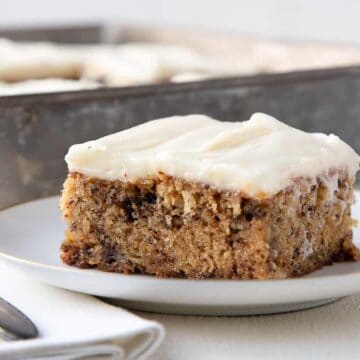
(258, 157)
(174, 228)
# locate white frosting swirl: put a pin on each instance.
(45, 86)
(260, 156)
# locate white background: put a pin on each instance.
(331, 20)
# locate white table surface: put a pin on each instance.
(327, 332)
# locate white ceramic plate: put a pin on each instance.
(31, 233)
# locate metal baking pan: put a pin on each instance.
(36, 130)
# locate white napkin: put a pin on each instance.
(72, 325)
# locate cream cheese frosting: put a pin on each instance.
(121, 65)
(259, 156)
(45, 86)
(143, 63)
(21, 61)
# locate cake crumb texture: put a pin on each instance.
(170, 227)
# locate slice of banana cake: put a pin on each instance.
(190, 196)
